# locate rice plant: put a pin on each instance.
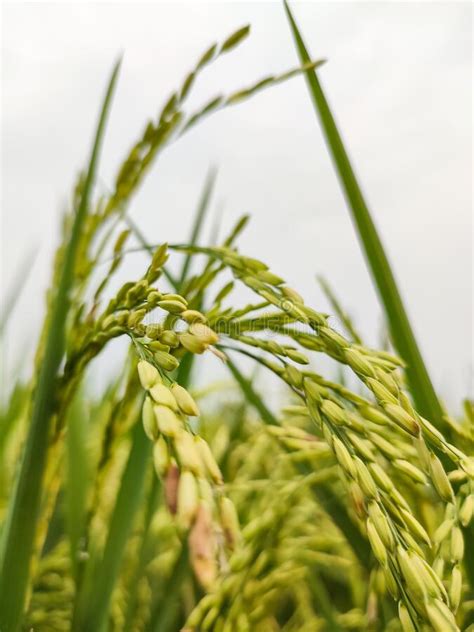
(348, 509)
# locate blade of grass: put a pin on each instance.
(143, 553)
(323, 600)
(128, 501)
(199, 218)
(146, 246)
(468, 533)
(166, 609)
(16, 288)
(401, 331)
(77, 476)
(19, 532)
(11, 413)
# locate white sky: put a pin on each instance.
(399, 78)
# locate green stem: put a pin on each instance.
(129, 497)
(167, 608)
(400, 329)
(19, 532)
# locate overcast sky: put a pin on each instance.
(398, 77)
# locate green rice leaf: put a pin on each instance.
(199, 218)
(96, 606)
(19, 533)
(401, 331)
(167, 609)
(146, 546)
(235, 39)
(77, 476)
(14, 293)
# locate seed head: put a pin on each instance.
(186, 403)
(230, 521)
(171, 484)
(440, 479)
(312, 390)
(152, 298)
(373, 414)
(297, 356)
(388, 449)
(204, 333)
(457, 544)
(381, 524)
(376, 543)
(380, 477)
(405, 619)
(160, 257)
(149, 421)
(383, 395)
(268, 277)
(432, 583)
(344, 457)
(206, 493)
(193, 316)
(443, 531)
(172, 306)
(334, 412)
(358, 363)
(166, 361)
(358, 499)
(147, 374)
(455, 587)
(161, 456)
(170, 338)
(192, 343)
(292, 294)
(388, 382)
(294, 377)
(311, 316)
(153, 331)
(361, 446)
(422, 450)
(438, 620)
(208, 459)
(410, 470)
(202, 545)
(168, 422)
(188, 498)
(161, 394)
(187, 454)
(365, 479)
(403, 419)
(333, 337)
(466, 511)
(156, 345)
(467, 464)
(135, 317)
(391, 582)
(410, 573)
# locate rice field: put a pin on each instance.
(158, 505)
